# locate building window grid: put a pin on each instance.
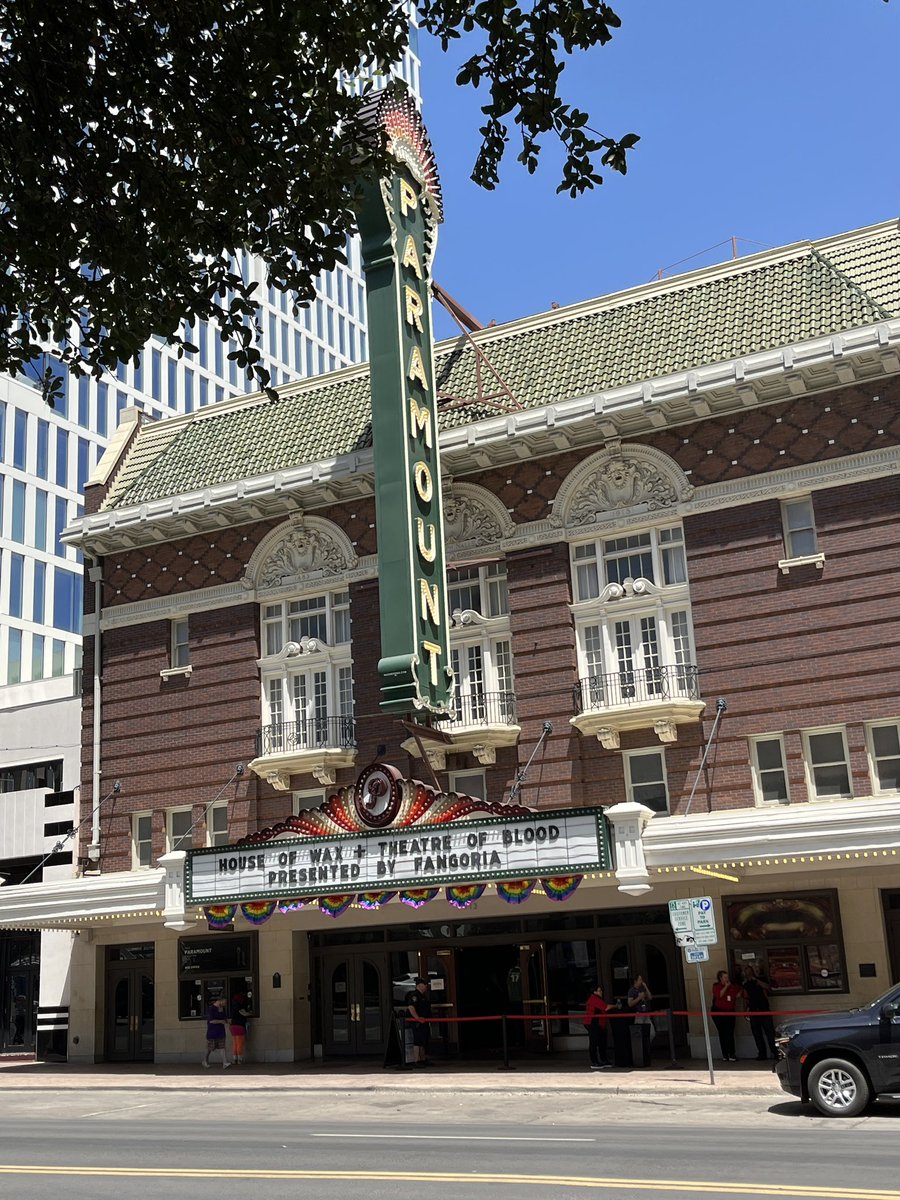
(217, 825)
(142, 840)
(827, 763)
(883, 742)
(656, 555)
(325, 617)
(179, 828)
(483, 589)
(769, 769)
(645, 779)
(799, 523)
(180, 654)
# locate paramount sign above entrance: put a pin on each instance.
(474, 851)
(398, 221)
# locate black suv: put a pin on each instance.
(843, 1060)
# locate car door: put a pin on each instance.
(887, 1047)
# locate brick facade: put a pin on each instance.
(789, 652)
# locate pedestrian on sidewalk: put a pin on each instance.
(595, 1024)
(419, 1010)
(215, 1031)
(725, 996)
(240, 1011)
(756, 989)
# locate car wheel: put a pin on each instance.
(838, 1088)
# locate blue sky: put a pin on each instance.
(773, 122)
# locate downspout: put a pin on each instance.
(95, 575)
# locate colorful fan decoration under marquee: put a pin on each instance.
(416, 897)
(372, 900)
(560, 887)
(289, 906)
(465, 894)
(515, 891)
(257, 912)
(220, 916)
(333, 906)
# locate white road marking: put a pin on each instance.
(450, 1137)
(105, 1112)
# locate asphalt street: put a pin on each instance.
(94, 1144)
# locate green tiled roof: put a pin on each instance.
(763, 302)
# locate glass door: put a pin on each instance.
(535, 995)
(439, 967)
(130, 1012)
(20, 974)
(354, 1006)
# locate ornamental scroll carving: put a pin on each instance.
(620, 477)
(474, 517)
(308, 548)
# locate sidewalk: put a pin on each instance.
(564, 1073)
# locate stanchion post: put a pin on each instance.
(505, 1034)
(670, 1018)
(401, 1031)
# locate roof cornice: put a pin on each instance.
(820, 364)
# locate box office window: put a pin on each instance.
(210, 967)
(793, 940)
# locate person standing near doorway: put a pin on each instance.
(756, 989)
(215, 1031)
(595, 1024)
(725, 996)
(419, 1010)
(238, 1018)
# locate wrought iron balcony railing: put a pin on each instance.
(316, 733)
(482, 708)
(636, 687)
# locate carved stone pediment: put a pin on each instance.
(620, 478)
(474, 517)
(304, 548)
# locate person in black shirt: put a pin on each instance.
(419, 1009)
(756, 989)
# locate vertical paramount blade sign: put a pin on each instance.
(398, 220)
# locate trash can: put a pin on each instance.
(620, 1028)
(640, 1045)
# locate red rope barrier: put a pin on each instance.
(612, 1016)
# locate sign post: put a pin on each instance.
(694, 925)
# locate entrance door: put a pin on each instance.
(535, 995)
(355, 1005)
(130, 1011)
(20, 976)
(439, 967)
(654, 957)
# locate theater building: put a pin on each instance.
(670, 523)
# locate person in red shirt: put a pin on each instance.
(725, 996)
(595, 1024)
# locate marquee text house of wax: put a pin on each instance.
(319, 658)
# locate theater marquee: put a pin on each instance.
(571, 841)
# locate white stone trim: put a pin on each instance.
(320, 532)
(817, 365)
(786, 565)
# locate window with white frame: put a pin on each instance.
(141, 840)
(469, 783)
(799, 522)
(217, 825)
(179, 828)
(307, 674)
(481, 646)
(645, 779)
(770, 782)
(827, 763)
(884, 755)
(633, 620)
(180, 653)
(303, 801)
(481, 589)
